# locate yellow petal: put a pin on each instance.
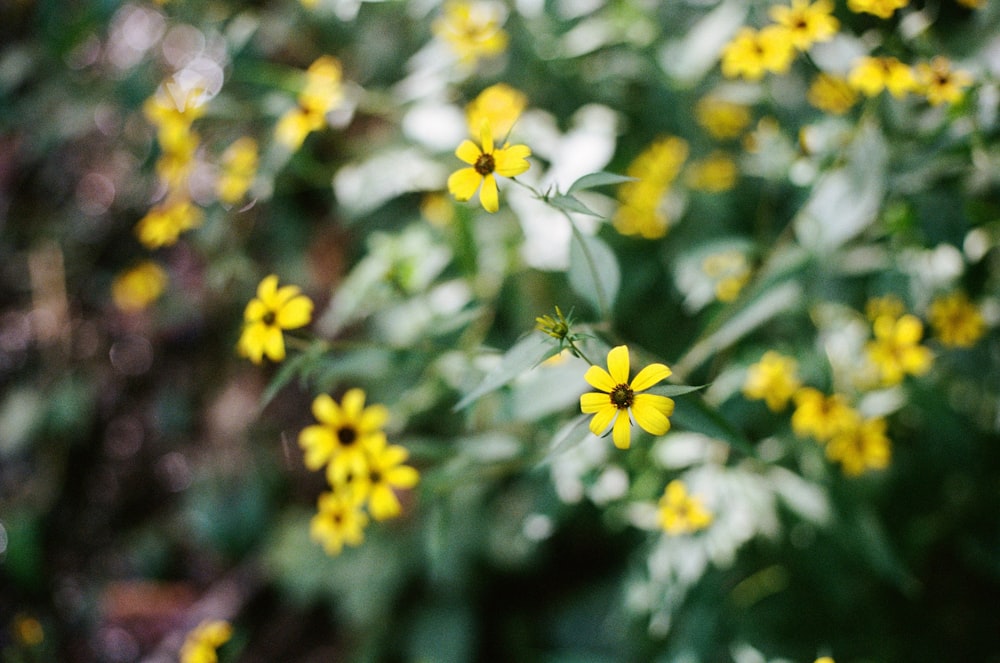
(403, 476)
(603, 418)
(599, 378)
(651, 414)
(618, 365)
(593, 401)
(353, 404)
(274, 344)
(649, 376)
(488, 195)
(463, 183)
(468, 152)
(512, 161)
(317, 442)
(268, 286)
(373, 418)
(255, 311)
(296, 313)
(622, 433)
(486, 137)
(383, 503)
(326, 410)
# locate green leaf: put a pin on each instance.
(572, 204)
(593, 271)
(298, 366)
(695, 415)
(525, 354)
(672, 390)
(594, 180)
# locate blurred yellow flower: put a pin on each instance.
(486, 163)
(752, 53)
(386, 474)
(819, 416)
(886, 305)
(870, 75)
(773, 379)
(320, 94)
(473, 30)
(730, 271)
(640, 211)
(267, 315)
(163, 224)
(175, 164)
(27, 630)
(940, 83)
(715, 173)
(500, 105)
(681, 513)
(620, 400)
(956, 321)
(972, 4)
(172, 109)
(861, 447)
(880, 8)
(896, 350)
(806, 23)
(239, 167)
(344, 430)
(201, 643)
(722, 119)
(339, 522)
(832, 94)
(138, 287)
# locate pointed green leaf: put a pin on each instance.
(672, 390)
(594, 180)
(572, 204)
(525, 354)
(593, 271)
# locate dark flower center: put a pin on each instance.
(485, 164)
(269, 318)
(375, 476)
(622, 396)
(347, 435)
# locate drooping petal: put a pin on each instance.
(512, 161)
(296, 313)
(488, 195)
(593, 401)
(599, 378)
(603, 418)
(618, 365)
(468, 152)
(651, 413)
(649, 376)
(622, 433)
(463, 183)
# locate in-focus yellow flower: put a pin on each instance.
(621, 400)
(344, 429)
(473, 30)
(267, 315)
(486, 163)
(640, 211)
(202, 643)
(773, 379)
(863, 446)
(880, 8)
(806, 23)
(163, 224)
(386, 475)
(956, 321)
(715, 173)
(339, 521)
(832, 94)
(870, 75)
(721, 118)
(500, 105)
(138, 287)
(752, 53)
(681, 513)
(730, 271)
(940, 83)
(239, 167)
(819, 416)
(896, 351)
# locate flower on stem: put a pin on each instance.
(201, 643)
(619, 401)
(485, 163)
(956, 321)
(343, 430)
(681, 513)
(339, 521)
(267, 315)
(321, 93)
(773, 379)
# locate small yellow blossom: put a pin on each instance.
(880, 8)
(267, 315)
(832, 94)
(138, 287)
(239, 167)
(485, 163)
(870, 75)
(730, 271)
(896, 350)
(387, 474)
(940, 83)
(722, 119)
(339, 521)
(320, 94)
(344, 429)
(887, 305)
(620, 402)
(806, 23)
(172, 110)
(715, 173)
(500, 105)
(655, 169)
(956, 321)
(773, 379)
(175, 165)
(752, 53)
(438, 209)
(473, 30)
(203, 641)
(163, 224)
(680, 513)
(819, 416)
(861, 447)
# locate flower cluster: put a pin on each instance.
(321, 93)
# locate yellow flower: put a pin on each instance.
(863, 446)
(880, 8)
(680, 513)
(832, 94)
(273, 310)
(175, 164)
(339, 521)
(721, 118)
(819, 416)
(138, 287)
(239, 166)
(640, 211)
(773, 379)
(940, 83)
(386, 474)
(956, 321)
(729, 270)
(752, 53)
(163, 224)
(343, 430)
(871, 75)
(321, 93)
(500, 105)
(472, 29)
(620, 402)
(172, 110)
(201, 644)
(486, 163)
(715, 173)
(887, 305)
(896, 350)
(806, 23)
